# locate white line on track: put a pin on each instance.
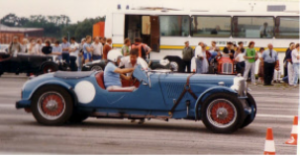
(257, 115)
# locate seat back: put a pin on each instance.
(100, 79)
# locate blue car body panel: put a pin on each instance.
(154, 97)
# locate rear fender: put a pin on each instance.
(57, 83)
(207, 93)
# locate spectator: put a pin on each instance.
(98, 49)
(250, 58)
(288, 58)
(132, 60)
(24, 46)
(57, 50)
(215, 31)
(37, 50)
(213, 47)
(261, 65)
(228, 50)
(107, 47)
(65, 45)
(103, 41)
(241, 46)
(240, 61)
(144, 49)
(296, 63)
(31, 47)
(74, 50)
(187, 55)
(214, 54)
(126, 47)
(80, 54)
(201, 61)
(47, 49)
(270, 58)
(87, 49)
(14, 47)
(289, 64)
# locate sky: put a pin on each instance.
(78, 10)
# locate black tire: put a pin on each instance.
(60, 95)
(249, 119)
(78, 117)
(49, 67)
(232, 103)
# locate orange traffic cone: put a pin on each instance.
(194, 70)
(269, 144)
(294, 133)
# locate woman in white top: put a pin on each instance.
(24, 46)
(201, 60)
(296, 63)
(240, 61)
(31, 47)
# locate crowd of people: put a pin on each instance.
(246, 59)
(88, 50)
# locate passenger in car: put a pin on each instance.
(133, 60)
(113, 74)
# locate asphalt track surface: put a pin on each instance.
(21, 134)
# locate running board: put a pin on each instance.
(131, 116)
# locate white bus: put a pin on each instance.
(166, 30)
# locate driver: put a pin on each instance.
(113, 74)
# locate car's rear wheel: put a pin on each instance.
(249, 118)
(78, 117)
(52, 105)
(222, 113)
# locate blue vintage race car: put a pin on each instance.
(221, 102)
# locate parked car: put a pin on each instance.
(33, 64)
(220, 101)
(24, 63)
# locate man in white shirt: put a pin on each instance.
(98, 49)
(201, 60)
(296, 63)
(133, 60)
(74, 50)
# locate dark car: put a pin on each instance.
(24, 63)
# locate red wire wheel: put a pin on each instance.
(221, 113)
(51, 105)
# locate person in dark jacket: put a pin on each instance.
(47, 49)
(187, 55)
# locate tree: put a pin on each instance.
(10, 20)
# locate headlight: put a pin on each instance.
(240, 86)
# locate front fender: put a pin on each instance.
(30, 89)
(202, 97)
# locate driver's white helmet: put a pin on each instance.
(114, 55)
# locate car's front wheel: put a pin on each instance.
(249, 118)
(52, 105)
(96, 68)
(222, 113)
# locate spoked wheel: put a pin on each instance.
(97, 68)
(174, 66)
(52, 105)
(222, 113)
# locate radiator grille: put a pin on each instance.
(227, 68)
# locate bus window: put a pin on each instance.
(253, 27)
(146, 25)
(287, 27)
(211, 26)
(174, 25)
